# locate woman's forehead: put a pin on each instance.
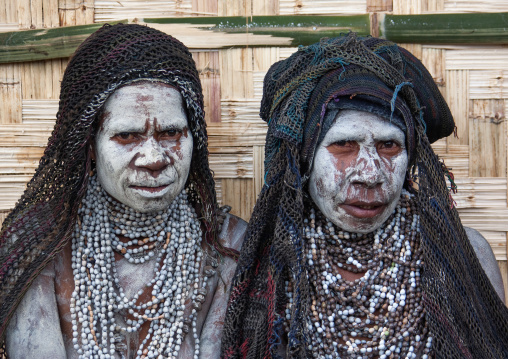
(137, 103)
(145, 91)
(361, 124)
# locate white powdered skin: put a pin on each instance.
(359, 191)
(143, 147)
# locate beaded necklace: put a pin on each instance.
(378, 315)
(172, 238)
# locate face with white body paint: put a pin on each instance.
(359, 170)
(143, 147)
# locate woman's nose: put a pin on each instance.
(152, 157)
(368, 171)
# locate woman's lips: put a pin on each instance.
(363, 210)
(150, 189)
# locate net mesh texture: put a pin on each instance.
(465, 316)
(43, 219)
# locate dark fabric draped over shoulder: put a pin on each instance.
(465, 316)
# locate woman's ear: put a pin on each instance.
(92, 150)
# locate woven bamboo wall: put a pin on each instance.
(474, 80)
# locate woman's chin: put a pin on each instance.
(362, 220)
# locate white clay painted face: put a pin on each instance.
(359, 170)
(143, 147)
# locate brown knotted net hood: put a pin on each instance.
(43, 219)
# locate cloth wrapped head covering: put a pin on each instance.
(42, 220)
(465, 316)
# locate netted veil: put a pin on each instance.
(465, 316)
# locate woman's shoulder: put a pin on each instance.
(487, 259)
(233, 231)
(34, 330)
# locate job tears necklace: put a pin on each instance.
(379, 315)
(173, 238)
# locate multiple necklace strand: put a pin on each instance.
(172, 238)
(378, 315)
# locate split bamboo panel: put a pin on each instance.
(239, 194)
(11, 189)
(480, 192)
(235, 7)
(488, 84)
(232, 162)
(456, 157)
(236, 68)
(205, 8)
(218, 191)
(112, 10)
(476, 58)
(264, 58)
(458, 6)
(8, 27)
(49, 75)
(457, 96)
(207, 63)
(26, 134)
(257, 81)
(443, 6)
(433, 6)
(39, 110)
(487, 138)
(8, 16)
(379, 5)
(328, 7)
(265, 7)
(259, 168)
(238, 131)
(10, 94)
(433, 59)
(76, 12)
(15, 161)
(407, 7)
(3, 215)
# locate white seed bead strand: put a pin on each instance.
(173, 238)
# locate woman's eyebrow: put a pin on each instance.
(170, 127)
(346, 136)
(126, 129)
(389, 136)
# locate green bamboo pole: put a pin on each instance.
(473, 28)
(477, 28)
(299, 29)
(33, 45)
(44, 44)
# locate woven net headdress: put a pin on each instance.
(42, 220)
(466, 317)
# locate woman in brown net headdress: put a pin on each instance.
(355, 249)
(117, 248)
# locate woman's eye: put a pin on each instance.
(343, 143)
(389, 148)
(171, 134)
(125, 135)
(343, 147)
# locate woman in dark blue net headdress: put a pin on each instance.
(412, 287)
